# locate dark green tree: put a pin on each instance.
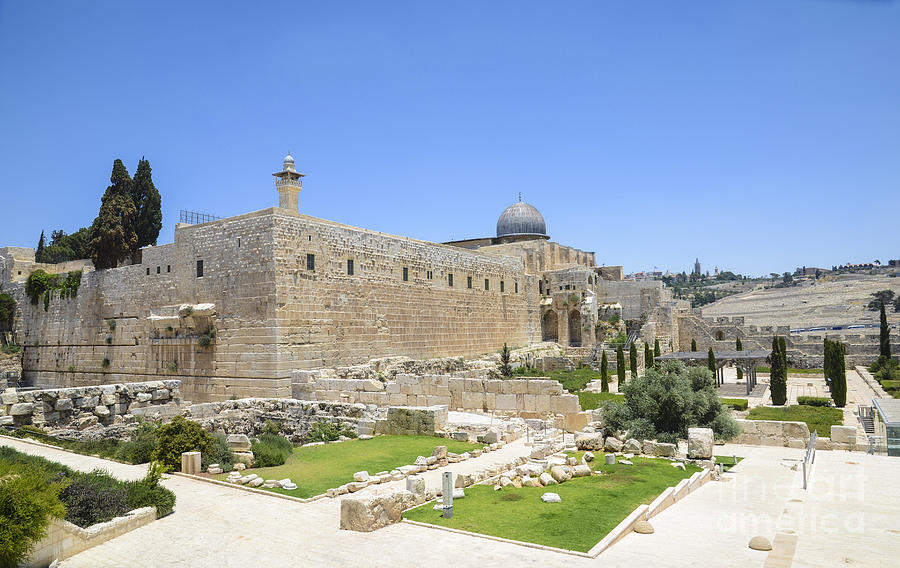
(147, 202)
(620, 365)
(834, 351)
(113, 237)
(648, 356)
(7, 312)
(503, 367)
(39, 253)
(885, 336)
(604, 373)
(777, 374)
(656, 351)
(693, 344)
(738, 346)
(882, 297)
(633, 360)
(711, 361)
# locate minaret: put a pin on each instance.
(289, 185)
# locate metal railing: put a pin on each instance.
(195, 217)
(810, 458)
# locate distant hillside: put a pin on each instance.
(835, 300)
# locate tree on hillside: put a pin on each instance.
(882, 297)
(113, 237)
(604, 373)
(65, 247)
(738, 346)
(693, 344)
(884, 336)
(147, 202)
(620, 365)
(656, 351)
(777, 374)
(633, 360)
(711, 361)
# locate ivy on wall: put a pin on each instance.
(42, 286)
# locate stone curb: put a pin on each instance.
(250, 489)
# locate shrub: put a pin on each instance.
(37, 284)
(94, 498)
(735, 403)
(28, 503)
(667, 400)
(10, 349)
(271, 450)
(179, 436)
(325, 431)
(814, 400)
(217, 452)
(105, 363)
(139, 448)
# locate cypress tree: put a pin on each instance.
(827, 366)
(604, 373)
(693, 344)
(39, 253)
(839, 384)
(777, 375)
(620, 365)
(112, 235)
(739, 347)
(632, 361)
(884, 337)
(656, 351)
(648, 356)
(147, 202)
(711, 361)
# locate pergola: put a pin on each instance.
(746, 360)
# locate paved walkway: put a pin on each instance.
(847, 517)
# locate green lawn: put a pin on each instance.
(315, 469)
(728, 462)
(816, 417)
(571, 380)
(592, 400)
(590, 508)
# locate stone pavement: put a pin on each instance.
(848, 516)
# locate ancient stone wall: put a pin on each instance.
(81, 407)
(327, 316)
(541, 255)
(535, 396)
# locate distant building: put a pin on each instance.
(696, 267)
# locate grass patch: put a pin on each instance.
(735, 403)
(728, 462)
(590, 508)
(592, 400)
(793, 371)
(315, 469)
(570, 380)
(816, 417)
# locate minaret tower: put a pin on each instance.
(289, 185)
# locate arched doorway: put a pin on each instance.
(550, 326)
(575, 328)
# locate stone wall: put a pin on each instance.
(537, 396)
(81, 407)
(265, 312)
(65, 539)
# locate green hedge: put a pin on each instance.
(735, 403)
(814, 400)
(270, 450)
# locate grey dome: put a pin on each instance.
(521, 219)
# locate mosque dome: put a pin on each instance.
(521, 219)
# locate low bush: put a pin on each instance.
(735, 403)
(139, 448)
(28, 503)
(325, 431)
(179, 436)
(94, 498)
(814, 400)
(218, 452)
(270, 450)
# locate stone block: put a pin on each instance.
(373, 512)
(64, 404)
(239, 442)
(473, 400)
(9, 397)
(613, 444)
(700, 443)
(843, 434)
(796, 430)
(664, 450)
(565, 404)
(589, 441)
(505, 402)
(190, 463)
(22, 409)
(770, 428)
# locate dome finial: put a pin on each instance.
(520, 197)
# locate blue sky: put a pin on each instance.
(756, 135)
